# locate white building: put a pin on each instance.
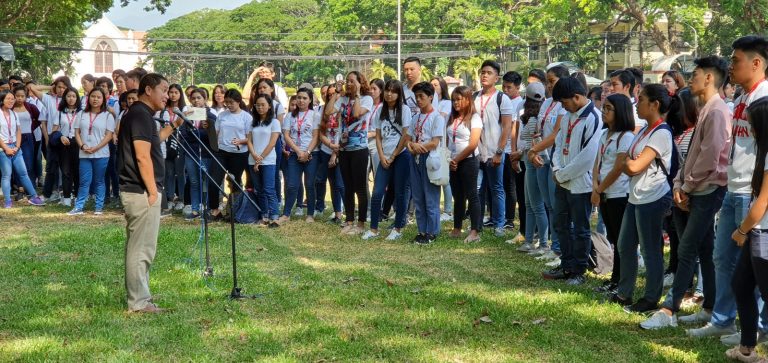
(105, 48)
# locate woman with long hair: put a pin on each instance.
(217, 101)
(377, 93)
(391, 122)
(93, 131)
(28, 116)
(198, 182)
(300, 135)
(11, 157)
(265, 86)
(327, 166)
(443, 104)
(261, 162)
(673, 81)
(353, 108)
(174, 156)
(68, 153)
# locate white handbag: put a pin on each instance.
(437, 166)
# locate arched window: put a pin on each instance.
(103, 58)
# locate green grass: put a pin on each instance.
(319, 297)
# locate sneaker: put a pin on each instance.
(553, 263)
(526, 247)
(711, 330)
(8, 204)
(192, 216)
(418, 239)
(369, 235)
(445, 217)
(701, 316)
(487, 222)
(394, 235)
(165, 213)
(187, 210)
(735, 338)
(67, 202)
(334, 220)
(549, 255)
(576, 280)
(669, 278)
(75, 212)
(736, 354)
(426, 239)
(98, 213)
(509, 224)
(659, 320)
(55, 196)
(318, 214)
(556, 273)
(538, 251)
(274, 224)
(499, 232)
(37, 201)
(642, 306)
(616, 299)
(299, 212)
(607, 286)
(179, 206)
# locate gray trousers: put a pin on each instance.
(142, 228)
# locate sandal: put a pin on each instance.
(735, 353)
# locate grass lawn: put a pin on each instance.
(319, 297)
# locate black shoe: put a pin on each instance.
(419, 237)
(576, 280)
(642, 306)
(616, 299)
(556, 273)
(509, 224)
(489, 223)
(607, 286)
(429, 238)
(273, 224)
(334, 220)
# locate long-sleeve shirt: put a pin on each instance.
(706, 165)
(575, 149)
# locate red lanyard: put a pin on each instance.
(738, 112)
(571, 126)
(455, 126)
(70, 120)
(374, 112)
(348, 121)
(604, 147)
(420, 125)
(546, 114)
(483, 106)
(646, 133)
(10, 132)
(93, 118)
(299, 122)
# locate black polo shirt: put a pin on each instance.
(138, 124)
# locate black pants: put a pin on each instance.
(612, 211)
(70, 168)
(354, 172)
(674, 241)
(464, 190)
(52, 165)
(235, 163)
(750, 271)
(520, 191)
(509, 189)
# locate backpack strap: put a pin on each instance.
(657, 159)
(589, 110)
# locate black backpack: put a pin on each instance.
(675, 165)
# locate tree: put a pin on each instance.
(469, 67)
(380, 70)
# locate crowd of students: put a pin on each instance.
(680, 161)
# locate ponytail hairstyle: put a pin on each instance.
(236, 96)
(465, 114)
(658, 93)
(310, 94)
(531, 108)
(393, 86)
(270, 113)
(757, 115)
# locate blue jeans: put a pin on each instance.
(426, 197)
(642, 224)
(296, 170)
(493, 177)
(280, 166)
(726, 255)
(398, 173)
(571, 216)
(28, 148)
(92, 169)
(696, 241)
(15, 164)
(547, 190)
(333, 175)
(535, 209)
(264, 185)
(198, 182)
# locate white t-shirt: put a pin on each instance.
(8, 127)
(743, 150)
(426, 127)
(92, 129)
(410, 100)
(391, 132)
(278, 108)
(518, 105)
(763, 224)
(66, 122)
(609, 149)
(489, 111)
(356, 128)
(51, 105)
(25, 121)
(282, 96)
(300, 127)
(459, 134)
(332, 132)
(444, 107)
(651, 184)
(260, 137)
(233, 125)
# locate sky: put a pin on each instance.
(133, 16)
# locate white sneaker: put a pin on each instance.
(549, 255)
(527, 247)
(539, 251)
(445, 217)
(67, 202)
(711, 330)
(735, 339)
(187, 210)
(299, 212)
(54, 197)
(640, 262)
(659, 320)
(553, 263)
(318, 214)
(701, 316)
(669, 279)
(369, 235)
(394, 235)
(179, 206)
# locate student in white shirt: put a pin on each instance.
(11, 156)
(510, 85)
(463, 136)
(267, 87)
(328, 170)
(650, 197)
(623, 82)
(217, 99)
(300, 135)
(574, 155)
(261, 145)
(377, 93)
(175, 180)
(442, 103)
(392, 122)
(28, 116)
(428, 130)
(610, 185)
(64, 152)
(195, 138)
(93, 131)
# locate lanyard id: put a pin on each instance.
(571, 126)
(483, 106)
(455, 126)
(93, 117)
(299, 122)
(420, 126)
(647, 132)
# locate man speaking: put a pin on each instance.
(141, 182)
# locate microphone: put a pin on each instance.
(183, 117)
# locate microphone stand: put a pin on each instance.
(236, 292)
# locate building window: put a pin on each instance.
(103, 58)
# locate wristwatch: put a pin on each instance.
(499, 151)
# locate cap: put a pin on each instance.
(535, 91)
(307, 86)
